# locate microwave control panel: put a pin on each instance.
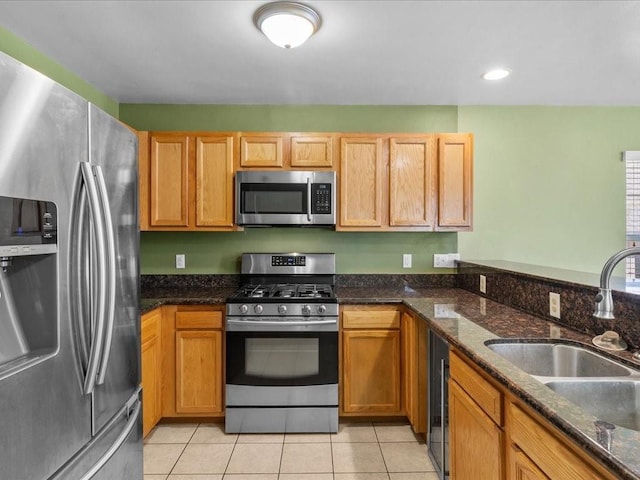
(321, 198)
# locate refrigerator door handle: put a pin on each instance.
(101, 293)
(110, 263)
(80, 270)
(122, 438)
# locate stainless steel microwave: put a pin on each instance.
(271, 198)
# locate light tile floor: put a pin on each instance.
(359, 451)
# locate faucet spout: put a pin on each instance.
(604, 300)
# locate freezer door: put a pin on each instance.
(114, 453)
(44, 416)
(113, 156)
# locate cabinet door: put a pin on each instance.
(151, 359)
(411, 182)
(475, 441)
(455, 181)
(414, 371)
(169, 189)
(261, 151)
(198, 371)
(361, 182)
(371, 371)
(311, 151)
(522, 468)
(214, 181)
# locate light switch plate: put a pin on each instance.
(406, 260)
(180, 260)
(554, 304)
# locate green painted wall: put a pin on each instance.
(356, 252)
(291, 118)
(549, 183)
(24, 52)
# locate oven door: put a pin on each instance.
(281, 368)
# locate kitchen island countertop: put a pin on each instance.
(467, 320)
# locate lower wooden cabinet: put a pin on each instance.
(151, 369)
(193, 361)
(414, 370)
(493, 435)
(475, 441)
(370, 366)
(542, 453)
(521, 467)
(198, 380)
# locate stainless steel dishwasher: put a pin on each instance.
(438, 429)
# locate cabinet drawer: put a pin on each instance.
(484, 394)
(547, 451)
(371, 319)
(196, 319)
(150, 327)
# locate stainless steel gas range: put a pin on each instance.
(282, 345)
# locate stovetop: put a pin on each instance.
(284, 292)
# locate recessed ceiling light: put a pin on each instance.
(287, 24)
(496, 74)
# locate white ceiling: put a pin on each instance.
(366, 52)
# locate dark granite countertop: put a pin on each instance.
(467, 320)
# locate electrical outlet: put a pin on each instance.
(445, 260)
(554, 304)
(406, 260)
(483, 284)
(483, 306)
(554, 331)
(180, 260)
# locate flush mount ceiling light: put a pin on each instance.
(287, 24)
(496, 74)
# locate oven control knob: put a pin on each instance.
(282, 309)
(306, 310)
(322, 309)
(244, 309)
(258, 309)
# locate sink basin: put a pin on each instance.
(614, 401)
(558, 360)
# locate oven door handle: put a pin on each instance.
(282, 323)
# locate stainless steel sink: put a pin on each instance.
(614, 401)
(602, 387)
(558, 360)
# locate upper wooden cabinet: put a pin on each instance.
(311, 151)
(411, 182)
(169, 186)
(362, 175)
(455, 181)
(387, 183)
(190, 178)
(288, 151)
(260, 151)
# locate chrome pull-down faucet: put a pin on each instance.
(604, 301)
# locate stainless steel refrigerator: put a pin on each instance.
(69, 289)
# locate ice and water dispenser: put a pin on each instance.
(28, 282)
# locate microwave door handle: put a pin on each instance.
(309, 199)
